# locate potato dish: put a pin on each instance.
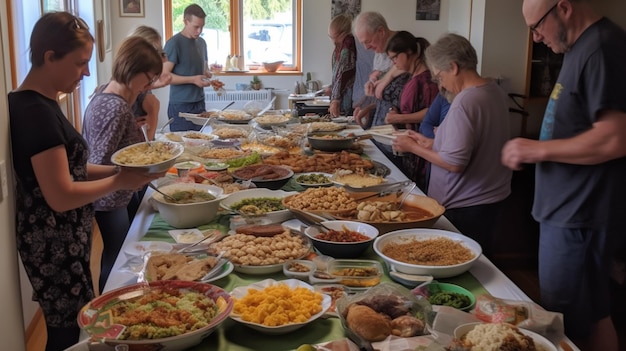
(233, 114)
(356, 179)
(144, 154)
(222, 153)
(230, 133)
(321, 199)
(325, 127)
(250, 250)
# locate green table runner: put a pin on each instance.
(237, 337)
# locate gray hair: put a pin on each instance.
(449, 49)
(370, 22)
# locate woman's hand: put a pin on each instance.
(390, 118)
(334, 109)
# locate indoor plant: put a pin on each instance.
(255, 83)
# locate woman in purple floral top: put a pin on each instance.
(109, 126)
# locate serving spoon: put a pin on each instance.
(162, 193)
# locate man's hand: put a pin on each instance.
(519, 151)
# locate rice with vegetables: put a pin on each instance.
(162, 313)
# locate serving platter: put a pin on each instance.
(196, 118)
(96, 319)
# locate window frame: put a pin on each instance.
(236, 29)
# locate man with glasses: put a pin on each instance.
(186, 54)
(581, 166)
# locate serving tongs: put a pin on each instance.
(398, 188)
(383, 189)
(311, 219)
(209, 239)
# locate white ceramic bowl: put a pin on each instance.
(296, 274)
(188, 215)
(90, 314)
(271, 217)
(404, 235)
(343, 249)
(242, 291)
(541, 342)
(174, 150)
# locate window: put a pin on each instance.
(260, 30)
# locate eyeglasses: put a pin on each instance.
(152, 79)
(534, 27)
(394, 57)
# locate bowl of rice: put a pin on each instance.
(154, 157)
(422, 251)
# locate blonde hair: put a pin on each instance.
(341, 24)
(148, 33)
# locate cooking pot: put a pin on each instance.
(333, 141)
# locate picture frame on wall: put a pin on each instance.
(351, 8)
(132, 8)
(427, 10)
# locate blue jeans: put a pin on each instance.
(574, 266)
(180, 124)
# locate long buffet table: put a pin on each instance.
(232, 336)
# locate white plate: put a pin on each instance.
(273, 217)
(186, 236)
(342, 119)
(293, 224)
(383, 138)
(141, 247)
(195, 118)
(226, 270)
(259, 270)
(312, 185)
(242, 291)
(542, 343)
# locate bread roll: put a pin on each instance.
(369, 324)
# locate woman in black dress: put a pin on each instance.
(55, 185)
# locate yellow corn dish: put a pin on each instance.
(278, 305)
